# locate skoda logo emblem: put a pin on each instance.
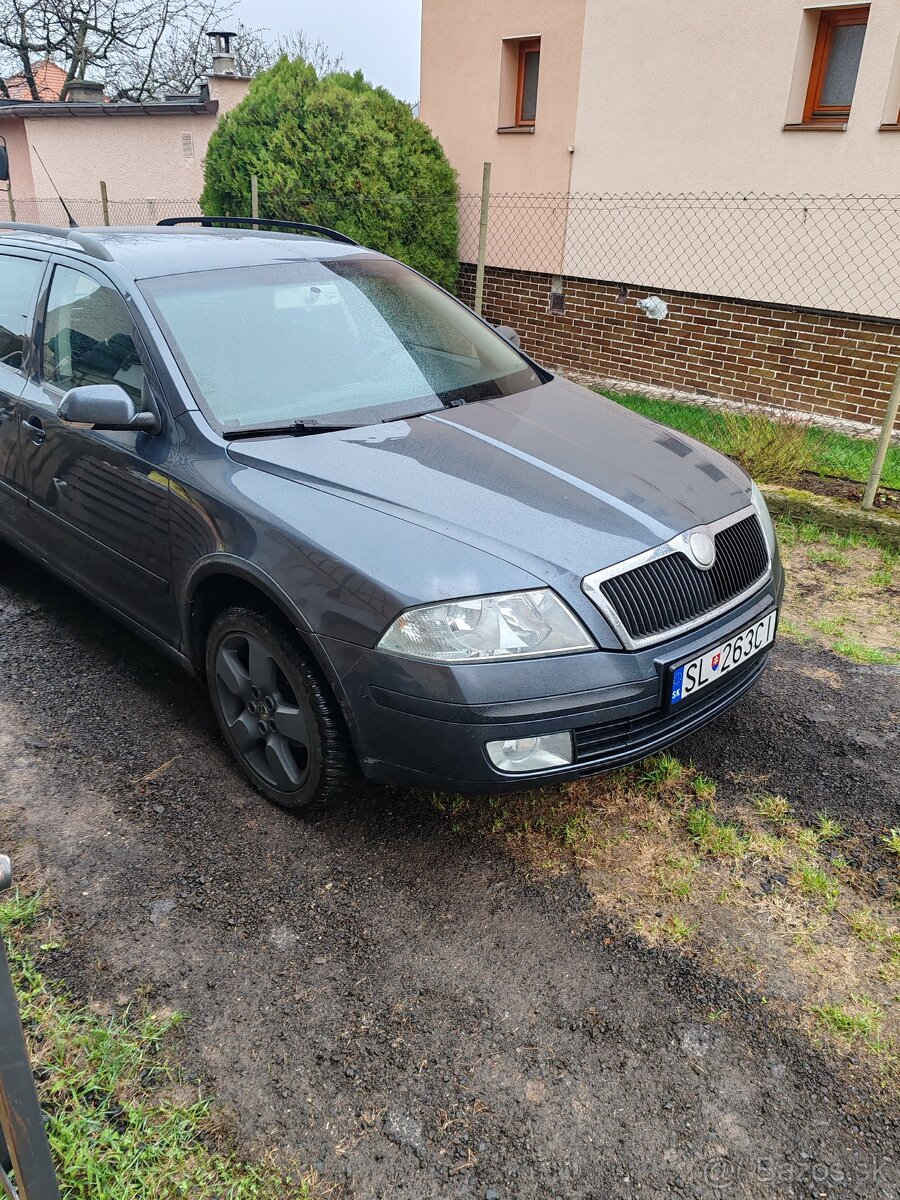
(702, 548)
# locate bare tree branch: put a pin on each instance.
(139, 49)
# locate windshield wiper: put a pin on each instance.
(295, 428)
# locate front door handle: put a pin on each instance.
(35, 429)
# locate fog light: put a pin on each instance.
(539, 753)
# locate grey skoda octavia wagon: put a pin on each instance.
(389, 540)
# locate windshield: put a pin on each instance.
(348, 341)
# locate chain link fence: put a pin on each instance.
(93, 211)
(832, 255)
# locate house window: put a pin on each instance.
(527, 86)
(835, 64)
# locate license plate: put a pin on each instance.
(700, 672)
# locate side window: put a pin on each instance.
(88, 335)
(18, 279)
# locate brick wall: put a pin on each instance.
(835, 365)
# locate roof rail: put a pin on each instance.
(257, 222)
(90, 245)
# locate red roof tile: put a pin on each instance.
(48, 77)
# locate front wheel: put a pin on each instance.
(277, 714)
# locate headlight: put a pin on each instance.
(762, 511)
(514, 625)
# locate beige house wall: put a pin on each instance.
(19, 159)
(468, 91)
(140, 157)
(693, 97)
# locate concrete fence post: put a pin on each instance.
(11, 202)
(884, 441)
(482, 236)
(104, 201)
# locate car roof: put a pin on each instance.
(153, 250)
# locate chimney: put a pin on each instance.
(84, 91)
(223, 62)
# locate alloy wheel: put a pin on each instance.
(262, 715)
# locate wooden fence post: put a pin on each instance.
(254, 197)
(482, 236)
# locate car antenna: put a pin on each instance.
(73, 224)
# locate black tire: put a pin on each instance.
(277, 714)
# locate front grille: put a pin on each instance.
(627, 741)
(667, 592)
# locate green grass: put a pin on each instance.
(804, 837)
(704, 787)
(864, 654)
(830, 626)
(861, 1023)
(772, 808)
(677, 876)
(829, 830)
(661, 771)
(109, 1090)
(578, 830)
(837, 1020)
(830, 453)
(872, 931)
(715, 837)
(827, 556)
(892, 841)
(814, 883)
(809, 532)
(677, 930)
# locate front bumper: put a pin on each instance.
(426, 725)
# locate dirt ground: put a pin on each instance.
(847, 489)
(394, 994)
(843, 592)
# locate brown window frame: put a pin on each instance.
(829, 20)
(530, 46)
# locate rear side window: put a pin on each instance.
(88, 335)
(18, 280)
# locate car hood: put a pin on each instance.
(556, 479)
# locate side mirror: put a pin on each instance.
(4, 162)
(105, 406)
(510, 335)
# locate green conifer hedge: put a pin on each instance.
(336, 151)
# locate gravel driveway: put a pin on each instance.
(399, 1005)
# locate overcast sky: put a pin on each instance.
(379, 37)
